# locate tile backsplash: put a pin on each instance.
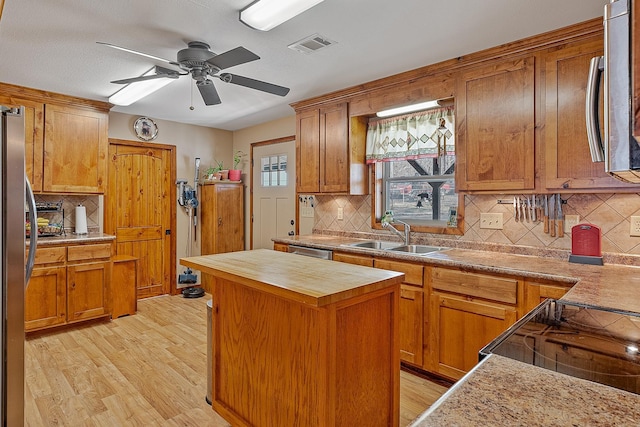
(610, 212)
(93, 207)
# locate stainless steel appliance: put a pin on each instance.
(312, 252)
(619, 150)
(581, 341)
(12, 227)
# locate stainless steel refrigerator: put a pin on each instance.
(15, 271)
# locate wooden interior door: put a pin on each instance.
(141, 211)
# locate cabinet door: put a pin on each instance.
(460, 327)
(495, 112)
(411, 324)
(45, 301)
(334, 149)
(535, 293)
(223, 218)
(308, 151)
(568, 162)
(75, 150)
(33, 135)
(87, 295)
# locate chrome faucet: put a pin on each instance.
(387, 220)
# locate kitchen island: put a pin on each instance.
(302, 341)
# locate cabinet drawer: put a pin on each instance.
(476, 285)
(89, 252)
(364, 260)
(412, 272)
(50, 255)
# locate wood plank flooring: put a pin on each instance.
(142, 370)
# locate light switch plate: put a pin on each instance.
(491, 220)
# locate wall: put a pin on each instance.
(610, 212)
(191, 141)
(242, 140)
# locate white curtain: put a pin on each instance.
(412, 136)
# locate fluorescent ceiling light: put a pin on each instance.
(408, 109)
(267, 14)
(138, 90)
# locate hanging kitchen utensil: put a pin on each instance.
(546, 214)
(560, 220)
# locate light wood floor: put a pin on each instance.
(142, 370)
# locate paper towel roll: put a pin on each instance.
(81, 220)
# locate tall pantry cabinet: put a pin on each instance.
(222, 219)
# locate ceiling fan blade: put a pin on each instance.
(209, 93)
(232, 58)
(254, 84)
(157, 58)
(161, 72)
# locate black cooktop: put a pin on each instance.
(587, 342)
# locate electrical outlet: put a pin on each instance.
(491, 220)
(570, 221)
(306, 212)
(340, 213)
(635, 226)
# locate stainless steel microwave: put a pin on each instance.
(617, 147)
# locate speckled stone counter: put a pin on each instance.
(71, 238)
(505, 392)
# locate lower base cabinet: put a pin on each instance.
(460, 328)
(69, 283)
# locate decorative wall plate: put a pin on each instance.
(145, 129)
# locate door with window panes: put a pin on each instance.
(274, 192)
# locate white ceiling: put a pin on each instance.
(50, 45)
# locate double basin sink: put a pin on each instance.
(394, 247)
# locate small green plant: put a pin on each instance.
(237, 158)
(213, 169)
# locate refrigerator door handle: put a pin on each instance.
(33, 237)
(593, 126)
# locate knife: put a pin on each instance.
(552, 214)
(546, 214)
(534, 207)
(560, 220)
(515, 209)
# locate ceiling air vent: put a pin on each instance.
(311, 44)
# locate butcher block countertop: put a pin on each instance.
(312, 281)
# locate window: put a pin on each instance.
(274, 171)
(414, 157)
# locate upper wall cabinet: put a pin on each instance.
(34, 138)
(495, 114)
(66, 140)
(567, 160)
(75, 150)
(329, 151)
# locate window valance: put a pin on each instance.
(412, 136)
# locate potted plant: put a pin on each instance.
(235, 173)
(214, 172)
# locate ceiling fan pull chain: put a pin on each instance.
(191, 107)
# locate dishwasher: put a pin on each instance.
(312, 252)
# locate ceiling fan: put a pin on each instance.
(199, 61)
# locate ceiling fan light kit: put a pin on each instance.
(267, 14)
(133, 91)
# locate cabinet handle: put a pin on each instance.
(219, 221)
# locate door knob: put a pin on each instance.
(291, 233)
(292, 222)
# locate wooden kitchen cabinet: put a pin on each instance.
(70, 283)
(46, 294)
(567, 160)
(75, 150)
(495, 116)
(355, 259)
(467, 311)
(330, 151)
(222, 220)
(280, 247)
(412, 313)
(537, 292)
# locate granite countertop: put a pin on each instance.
(505, 392)
(310, 281)
(71, 238)
(611, 286)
